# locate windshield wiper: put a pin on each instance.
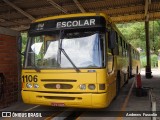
(37, 68)
(64, 52)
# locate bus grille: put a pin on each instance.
(59, 98)
(58, 86)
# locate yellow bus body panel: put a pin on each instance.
(74, 97)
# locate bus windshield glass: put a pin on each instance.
(84, 49)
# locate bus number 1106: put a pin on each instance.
(29, 78)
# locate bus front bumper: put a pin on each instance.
(81, 100)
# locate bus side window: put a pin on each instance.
(116, 49)
(133, 54)
(109, 58)
(124, 46)
(137, 55)
(120, 45)
(126, 49)
(107, 43)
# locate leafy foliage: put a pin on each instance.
(154, 61)
(135, 34)
(24, 43)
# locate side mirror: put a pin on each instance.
(112, 39)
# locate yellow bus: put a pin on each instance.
(76, 60)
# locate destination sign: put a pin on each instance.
(68, 23)
(76, 23)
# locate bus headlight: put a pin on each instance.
(82, 86)
(36, 86)
(29, 85)
(91, 86)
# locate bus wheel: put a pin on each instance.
(128, 76)
(118, 79)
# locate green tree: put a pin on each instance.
(135, 34)
(154, 60)
(24, 43)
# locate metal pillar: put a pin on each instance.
(148, 67)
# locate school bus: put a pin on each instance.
(76, 60)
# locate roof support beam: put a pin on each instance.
(19, 10)
(2, 20)
(20, 28)
(146, 7)
(146, 13)
(79, 6)
(57, 6)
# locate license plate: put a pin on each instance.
(58, 104)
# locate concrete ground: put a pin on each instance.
(126, 103)
(155, 84)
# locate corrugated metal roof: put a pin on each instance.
(118, 10)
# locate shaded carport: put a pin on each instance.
(18, 14)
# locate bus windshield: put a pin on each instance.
(84, 49)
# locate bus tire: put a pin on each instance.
(118, 79)
(128, 76)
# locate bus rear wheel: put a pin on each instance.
(118, 79)
(128, 76)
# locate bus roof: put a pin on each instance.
(72, 16)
